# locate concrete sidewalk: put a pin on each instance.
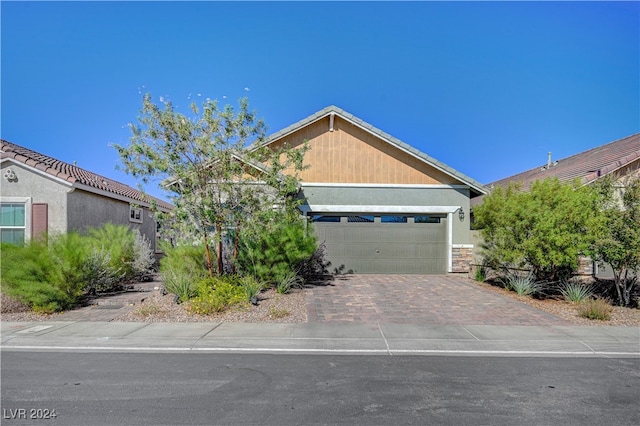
(382, 339)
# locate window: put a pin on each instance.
(13, 223)
(135, 214)
(361, 219)
(426, 219)
(393, 219)
(323, 218)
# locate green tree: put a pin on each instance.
(619, 243)
(546, 228)
(213, 163)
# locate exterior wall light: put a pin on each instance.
(461, 214)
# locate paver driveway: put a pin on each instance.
(417, 299)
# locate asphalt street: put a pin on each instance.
(98, 388)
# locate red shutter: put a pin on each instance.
(39, 220)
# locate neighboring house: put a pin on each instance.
(378, 204)
(619, 159)
(40, 194)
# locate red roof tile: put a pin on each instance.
(73, 174)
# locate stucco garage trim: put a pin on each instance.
(337, 208)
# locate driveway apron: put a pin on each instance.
(417, 299)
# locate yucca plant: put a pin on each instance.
(576, 292)
(523, 285)
(288, 281)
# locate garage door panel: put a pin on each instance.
(401, 248)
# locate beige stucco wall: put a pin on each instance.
(41, 188)
(91, 210)
(70, 209)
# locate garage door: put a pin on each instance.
(384, 244)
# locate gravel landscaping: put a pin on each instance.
(291, 308)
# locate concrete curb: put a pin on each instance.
(323, 338)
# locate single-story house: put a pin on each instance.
(619, 159)
(40, 194)
(378, 204)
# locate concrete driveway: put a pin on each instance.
(417, 299)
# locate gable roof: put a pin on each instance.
(587, 166)
(74, 175)
(476, 187)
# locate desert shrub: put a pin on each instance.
(129, 251)
(143, 257)
(271, 252)
(181, 268)
(54, 276)
(574, 291)
(523, 285)
(288, 281)
(99, 273)
(32, 275)
(481, 273)
(252, 288)
(216, 295)
(597, 309)
(278, 313)
(545, 228)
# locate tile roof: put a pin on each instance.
(587, 166)
(73, 174)
(477, 187)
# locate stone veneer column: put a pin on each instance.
(461, 258)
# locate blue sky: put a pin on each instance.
(487, 88)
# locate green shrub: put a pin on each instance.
(271, 252)
(252, 288)
(597, 309)
(130, 252)
(31, 274)
(181, 268)
(576, 292)
(55, 276)
(288, 281)
(216, 295)
(481, 273)
(117, 240)
(523, 285)
(100, 275)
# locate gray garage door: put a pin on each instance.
(384, 244)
